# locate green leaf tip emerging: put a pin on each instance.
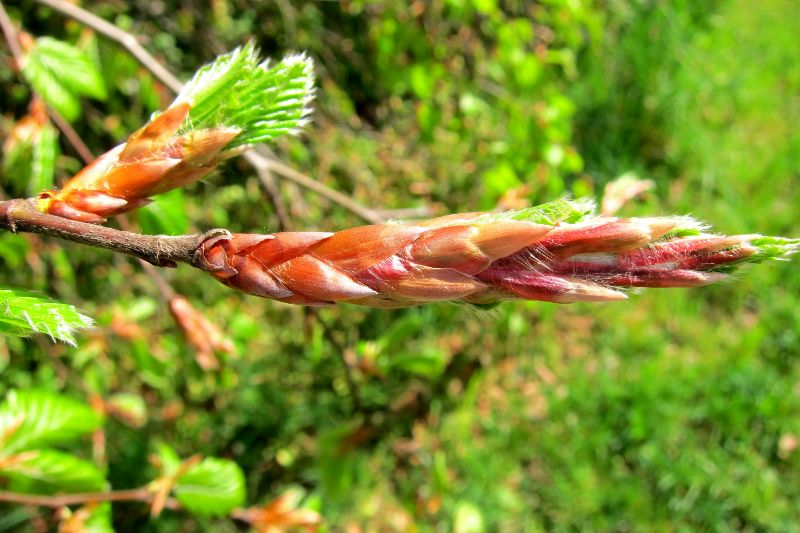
(238, 90)
(773, 248)
(23, 313)
(564, 210)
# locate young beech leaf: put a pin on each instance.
(238, 90)
(61, 73)
(32, 418)
(213, 487)
(47, 471)
(24, 312)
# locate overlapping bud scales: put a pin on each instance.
(559, 252)
(229, 104)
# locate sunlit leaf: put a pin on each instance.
(264, 101)
(213, 487)
(47, 471)
(23, 313)
(60, 73)
(30, 418)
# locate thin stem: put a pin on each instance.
(159, 250)
(71, 135)
(327, 332)
(11, 37)
(335, 196)
(270, 186)
(165, 290)
(142, 494)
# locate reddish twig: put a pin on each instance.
(159, 250)
(142, 494)
(11, 36)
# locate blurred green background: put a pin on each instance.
(675, 410)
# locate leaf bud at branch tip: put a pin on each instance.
(484, 258)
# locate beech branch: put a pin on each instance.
(159, 250)
(142, 494)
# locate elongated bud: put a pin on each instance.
(206, 338)
(558, 253)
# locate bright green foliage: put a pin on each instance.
(23, 313)
(44, 471)
(239, 90)
(214, 487)
(33, 418)
(29, 165)
(61, 74)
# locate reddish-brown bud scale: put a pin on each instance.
(205, 337)
(155, 159)
(471, 258)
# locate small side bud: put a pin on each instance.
(206, 338)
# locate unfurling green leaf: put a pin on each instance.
(23, 313)
(551, 213)
(48, 471)
(31, 418)
(214, 487)
(60, 74)
(238, 91)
